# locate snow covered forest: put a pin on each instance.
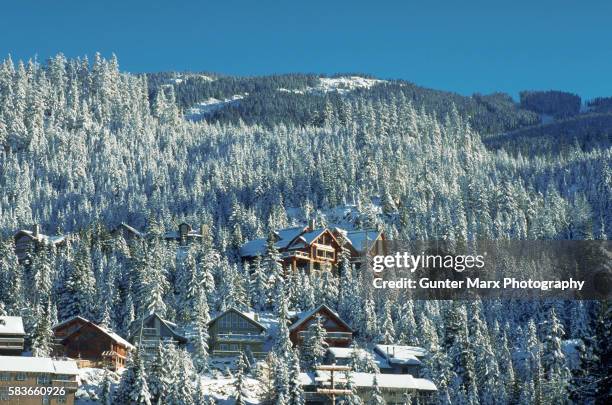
(85, 147)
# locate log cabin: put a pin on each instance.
(27, 242)
(307, 248)
(339, 333)
(92, 345)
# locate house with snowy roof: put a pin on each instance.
(148, 332)
(27, 241)
(310, 248)
(392, 386)
(128, 232)
(402, 359)
(361, 242)
(93, 345)
(339, 333)
(232, 332)
(12, 335)
(59, 377)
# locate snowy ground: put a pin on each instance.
(90, 385)
(199, 110)
(340, 85)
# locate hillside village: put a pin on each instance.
(220, 260)
(236, 338)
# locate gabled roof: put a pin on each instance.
(249, 316)
(38, 365)
(71, 319)
(131, 229)
(257, 247)
(11, 325)
(363, 240)
(41, 238)
(112, 335)
(170, 325)
(303, 317)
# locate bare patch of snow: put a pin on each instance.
(211, 104)
(341, 85)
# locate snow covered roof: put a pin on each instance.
(115, 337)
(11, 325)
(346, 353)
(257, 247)
(132, 229)
(310, 236)
(38, 365)
(251, 316)
(362, 240)
(304, 316)
(390, 382)
(398, 354)
(387, 381)
(42, 238)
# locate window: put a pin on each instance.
(20, 377)
(43, 379)
(46, 400)
(234, 347)
(4, 396)
(5, 377)
(61, 400)
(223, 347)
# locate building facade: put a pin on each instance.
(12, 336)
(148, 332)
(339, 333)
(56, 381)
(233, 332)
(90, 344)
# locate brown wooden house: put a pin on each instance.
(339, 333)
(30, 241)
(308, 248)
(92, 345)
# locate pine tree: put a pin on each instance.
(315, 346)
(553, 360)
(106, 394)
(239, 381)
(42, 341)
(376, 397)
(296, 394)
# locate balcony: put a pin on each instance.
(298, 254)
(329, 335)
(68, 384)
(237, 337)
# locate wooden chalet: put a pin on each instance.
(12, 336)
(150, 331)
(233, 332)
(339, 333)
(30, 241)
(308, 248)
(90, 344)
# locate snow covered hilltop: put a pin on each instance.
(147, 215)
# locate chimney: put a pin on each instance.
(36, 230)
(311, 224)
(203, 230)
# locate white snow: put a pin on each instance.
(210, 105)
(341, 85)
(366, 380)
(398, 354)
(11, 325)
(38, 365)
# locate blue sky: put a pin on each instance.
(463, 46)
